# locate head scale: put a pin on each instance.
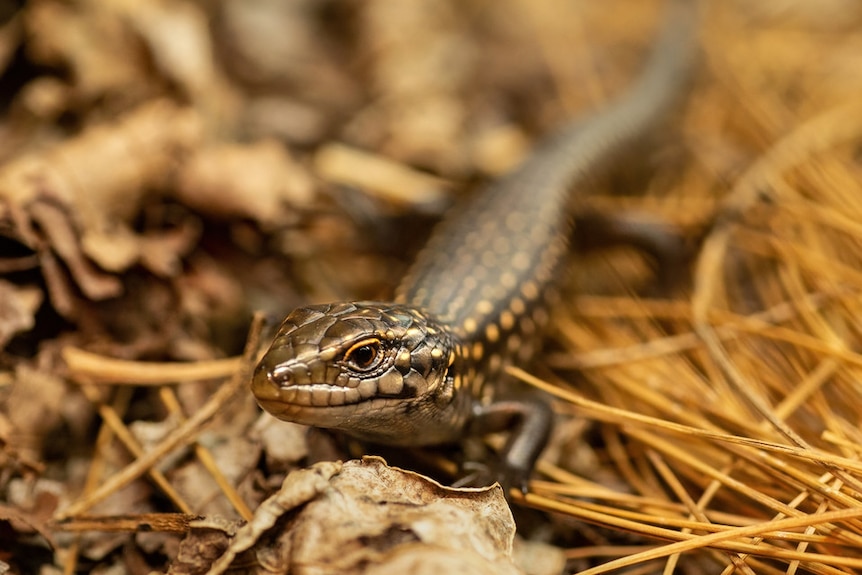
(365, 368)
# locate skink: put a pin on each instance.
(424, 368)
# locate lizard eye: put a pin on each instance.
(364, 355)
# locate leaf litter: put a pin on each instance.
(168, 168)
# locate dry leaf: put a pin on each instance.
(259, 181)
(366, 517)
(18, 307)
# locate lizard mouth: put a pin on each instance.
(321, 395)
(285, 386)
(347, 416)
(330, 405)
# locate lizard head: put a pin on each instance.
(363, 368)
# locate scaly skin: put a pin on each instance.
(423, 369)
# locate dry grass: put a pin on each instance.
(730, 416)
